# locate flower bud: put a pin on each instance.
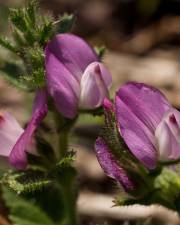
(74, 76)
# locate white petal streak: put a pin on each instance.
(10, 131)
(95, 83)
(168, 135)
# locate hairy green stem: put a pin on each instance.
(63, 144)
(67, 186)
(67, 183)
(70, 205)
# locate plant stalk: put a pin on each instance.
(67, 183)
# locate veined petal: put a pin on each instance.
(10, 131)
(168, 136)
(18, 154)
(73, 52)
(146, 102)
(139, 109)
(138, 138)
(62, 86)
(95, 83)
(110, 165)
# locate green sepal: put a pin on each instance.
(7, 44)
(24, 212)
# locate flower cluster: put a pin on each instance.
(75, 79)
(138, 145)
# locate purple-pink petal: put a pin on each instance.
(73, 52)
(74, 76)
(110, 165)
(61, 85)
(18, 154)
(139, 109)
(146, 102)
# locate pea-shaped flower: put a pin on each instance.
(74, 76)
(15, 141)
(149, 126)
(148, 123)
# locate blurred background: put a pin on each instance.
(142, 38)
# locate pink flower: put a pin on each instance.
(74, 76)
(149, 125)
(14, 140)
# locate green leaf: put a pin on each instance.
(18, 37)
(30, 181)
(12, 73)
(50, 199)
(67, 160)
(17, 17)
(100, 51)
(46, 33)
(23, 212)
(4, 42)
(30, 37)
(29, 187)
(65, 23)
(31, 30)
(31, 9)
(12, 69)
(124, 200)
